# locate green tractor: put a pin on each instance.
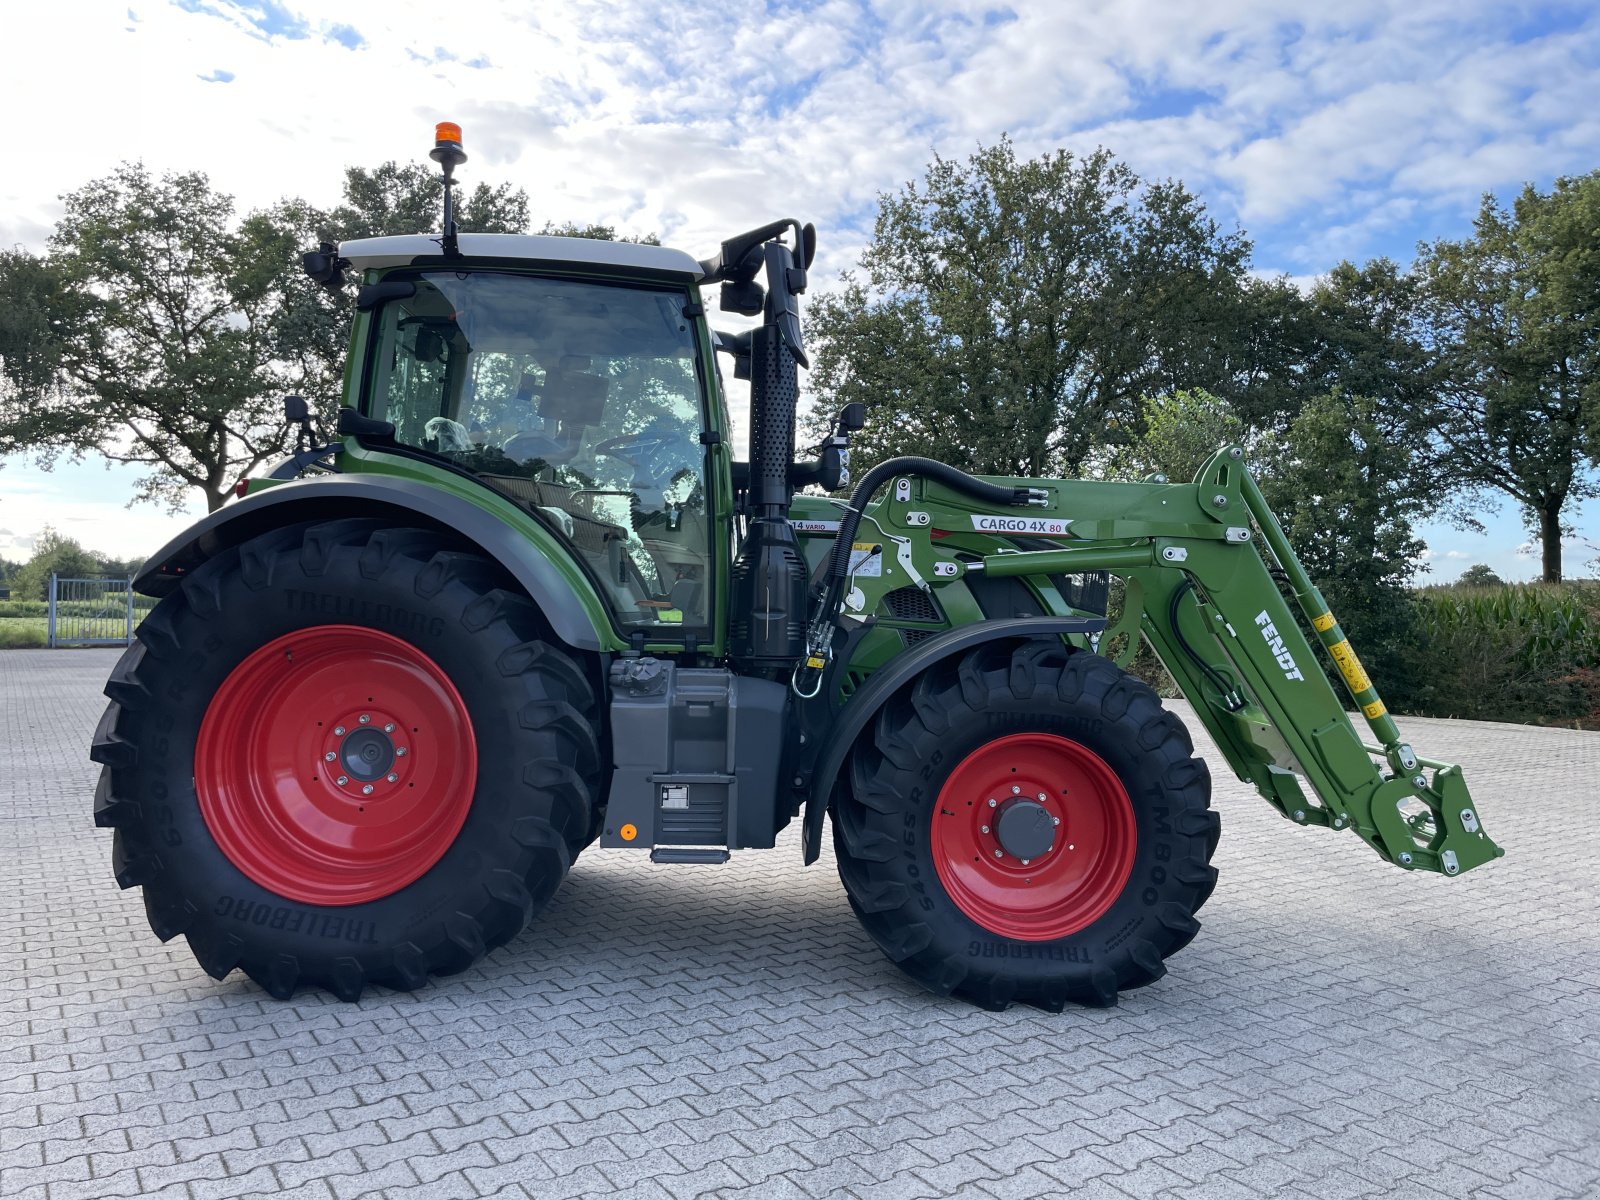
(530, 600)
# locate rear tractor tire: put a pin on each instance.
(1027, 823)
(345, 753)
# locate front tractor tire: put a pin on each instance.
(344, 754)
(1026, 823)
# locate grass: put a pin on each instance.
(20, 633)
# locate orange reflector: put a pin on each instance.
(447, 131)
(628, 832)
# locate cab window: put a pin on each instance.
(579, 401)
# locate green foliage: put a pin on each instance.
(1016, 310)
(1181, 431)
(161, 331)
(1521, 652)
(1479, 575)
(1338, 484)
(22, 633)
(155, 346)
(398, 199)
(1513, 313)
(53, 554)
(599, 233)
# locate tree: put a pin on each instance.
(1018, 310)
(155, 346)
(53, 554)
(1181, 431)
(1479, 575)
(1341, 487)
(1515, 315)
(397, 199)
(159, 331)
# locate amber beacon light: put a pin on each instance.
(447, 152)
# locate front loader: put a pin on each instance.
(529, 600)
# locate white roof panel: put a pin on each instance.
(400, 251)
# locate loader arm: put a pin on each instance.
(1198, 562)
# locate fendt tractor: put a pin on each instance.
(530, 600)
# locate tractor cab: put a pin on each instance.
(568, 375)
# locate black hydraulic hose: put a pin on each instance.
(1230, 695)
(951, 477)
(819, 636)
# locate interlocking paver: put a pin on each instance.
(1338, 1030)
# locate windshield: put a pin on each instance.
(579, 401)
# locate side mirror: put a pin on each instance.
(852, 417)
(325, 266)
(744, 298)
(295, 410)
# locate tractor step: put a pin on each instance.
(688, 854)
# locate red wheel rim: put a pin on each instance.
(1033, 836)
(335, 765)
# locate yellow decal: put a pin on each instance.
(815, 663)
(1323, 623)
(1350, 666)
(1374, 710)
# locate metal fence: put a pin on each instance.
(94, 612)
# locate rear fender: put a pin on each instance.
(574, 611)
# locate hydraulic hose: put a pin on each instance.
(819, 636)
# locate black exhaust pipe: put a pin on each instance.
(768, 594)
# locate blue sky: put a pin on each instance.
(1325, 131)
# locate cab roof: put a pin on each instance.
(368, 253)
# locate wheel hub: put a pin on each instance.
(1025, 829)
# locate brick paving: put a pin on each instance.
(1338, 1030)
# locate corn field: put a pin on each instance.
(1519, 652)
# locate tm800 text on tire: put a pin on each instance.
(1027, 823)
(343, 754)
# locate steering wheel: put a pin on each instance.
(631, 448)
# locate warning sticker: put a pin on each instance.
(1374, 710)
(1020, 526)
(1350, 666)
(866, 559)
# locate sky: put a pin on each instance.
(1326, 132)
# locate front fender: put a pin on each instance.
(897, 674)
(575, 612)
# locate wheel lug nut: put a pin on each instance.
(1055, 820)
(338, 731)
(992, 803)
(329, 756)
(393, 778)
(366, 789)
(389, 728)
(399, 751)
(1041, 797)
(1025, 861)
(364, 718)
(999, 853)
(983, 829)
(1015, 790)
(342, 780)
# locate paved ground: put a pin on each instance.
(1339, 1029)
